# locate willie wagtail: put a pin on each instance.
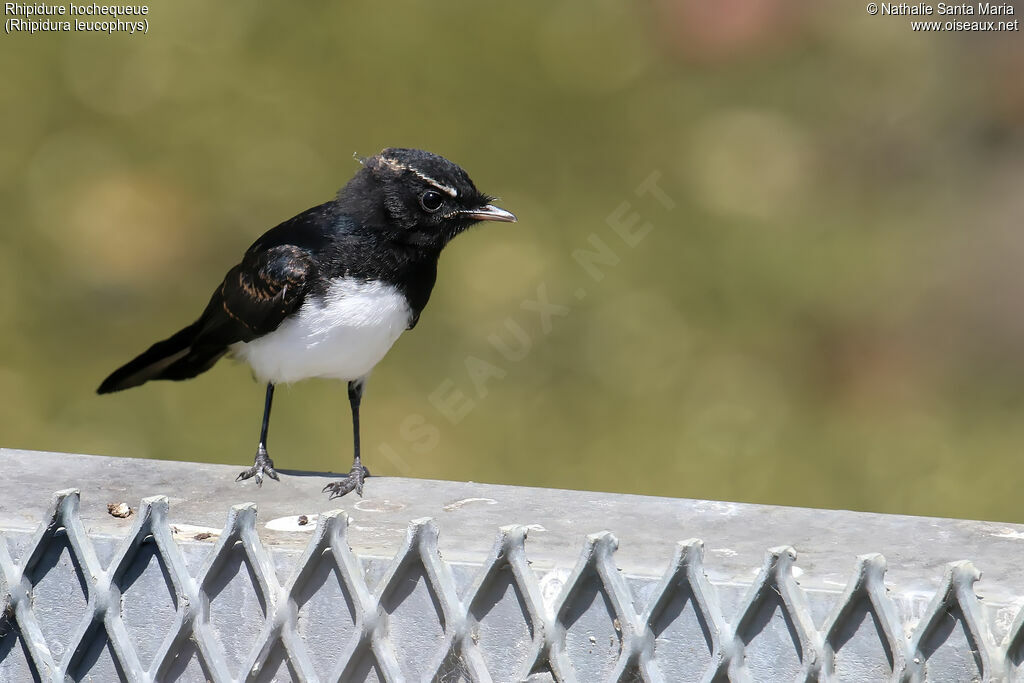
(326, 293)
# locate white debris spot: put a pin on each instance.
(119, 510)
(455, 505)
(381, 505)
(551, 585)
(293, 523)
(1007, 532)
(1005, 617)
(535, 527)
(796, 571)
(191, 532)
(728, 552)
(717, 507)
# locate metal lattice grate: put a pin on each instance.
(146, 615)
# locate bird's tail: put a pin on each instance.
(177, 357)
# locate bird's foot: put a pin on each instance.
(353, 481)
(261, 466)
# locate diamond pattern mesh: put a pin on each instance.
(142, 613)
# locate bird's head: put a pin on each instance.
(417, 197)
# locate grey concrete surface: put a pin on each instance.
(500, 582)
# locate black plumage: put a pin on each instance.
(376, 243)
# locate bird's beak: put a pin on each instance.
(491, 212)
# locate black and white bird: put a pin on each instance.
(327, 293)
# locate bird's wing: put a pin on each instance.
(259, 293)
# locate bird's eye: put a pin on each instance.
(431, 201)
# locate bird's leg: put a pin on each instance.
(353, 481)
(262, 464)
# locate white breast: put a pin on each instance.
(342, 335)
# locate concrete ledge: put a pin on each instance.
(425, 580)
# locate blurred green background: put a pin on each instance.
(829, 316)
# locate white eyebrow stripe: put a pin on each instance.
(399, 166)
(448, 189)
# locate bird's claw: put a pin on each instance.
(353, 481)
(261, 466)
